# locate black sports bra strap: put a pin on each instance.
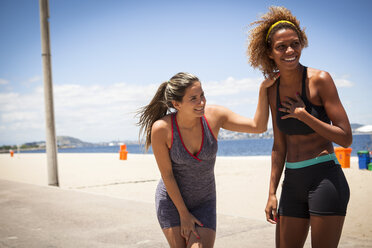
(304, 76)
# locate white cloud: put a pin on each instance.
(34, 79)
(231, 86)
(3, 81)
(343, 83)
(105, 112)
(20, 116)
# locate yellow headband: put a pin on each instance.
(275, 24)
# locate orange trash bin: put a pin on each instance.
(123, 152)
(11, 153)
(343, 156)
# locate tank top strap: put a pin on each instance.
(207, 128)
(304, 76)
(206, 131)
(173, 128)
(175, 134)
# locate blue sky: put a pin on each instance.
(108, 58)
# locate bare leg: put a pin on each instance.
(277, 234)
(292, 231)
(207, 237)
(175, 240)
(326, 230)
(174, 237)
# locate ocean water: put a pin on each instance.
(248, 147)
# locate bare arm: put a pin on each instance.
(278, 156)
(159, 136)
(234, 122)
(340, 131)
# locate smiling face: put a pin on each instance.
(193, 102)
(286, 49)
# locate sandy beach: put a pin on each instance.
(242, 188)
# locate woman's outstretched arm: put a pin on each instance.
(235, 122)
(278, 156)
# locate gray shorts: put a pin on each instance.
(168, 215)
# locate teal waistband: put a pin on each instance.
(317, 160)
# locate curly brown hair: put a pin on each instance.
(259, 48)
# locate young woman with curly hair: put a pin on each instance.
(307, 117)
(182, 131)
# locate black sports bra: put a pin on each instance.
(293, 126)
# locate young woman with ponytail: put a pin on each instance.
(182, 131)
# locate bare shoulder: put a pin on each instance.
(216, 114)
(322, 85)
(212, 109)
(215, 111)
(319, 78)
(162, 125)
(161, 131)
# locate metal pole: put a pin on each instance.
(51, 145)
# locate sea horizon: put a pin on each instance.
(236, 147)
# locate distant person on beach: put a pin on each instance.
(182, 131)
(307, 117)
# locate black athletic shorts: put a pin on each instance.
(319, 189)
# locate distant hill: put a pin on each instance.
(230, 135)
(67, 141)
(361, 129)
(355, 126)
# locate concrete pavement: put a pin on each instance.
(104, 202)
(42, 216)
(35, 216)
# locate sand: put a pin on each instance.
(242, 184)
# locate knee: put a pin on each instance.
(193, 243)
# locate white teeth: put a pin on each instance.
(290, 59)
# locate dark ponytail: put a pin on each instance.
(152, 112)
